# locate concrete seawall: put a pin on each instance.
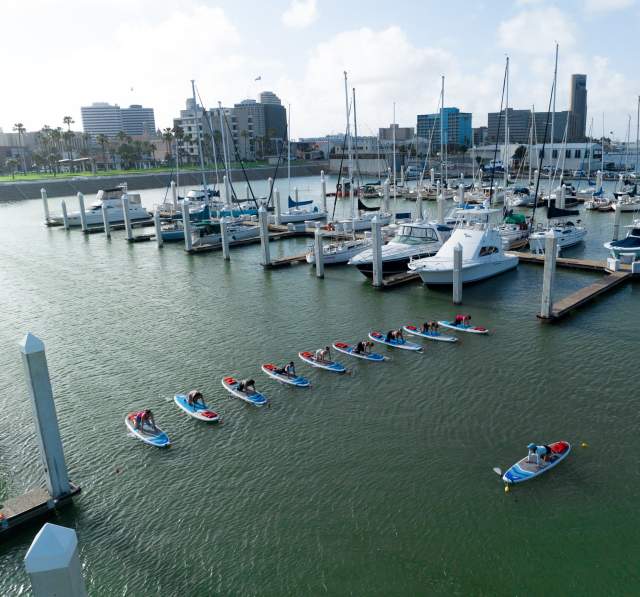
(16, 191)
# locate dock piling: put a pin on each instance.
(126, 216)
(105, 221)
(174, 194)
(385, 196)
(419, 214)
(158, 227)
(598, 180)
(319, 254)
(440, 204)
(83, 215)
(460, 194)
(45, 205)
(323, 191)
(560, 202)
(616, 223)
(457, 274)
(264, 235)
(276, 201)
(65, 217)
(224, 231)
(34, 361)
(432, 172)
(295, 194)
(550, 257)
(53, 565)
(227, 191)
(376, 245)
(186, 224)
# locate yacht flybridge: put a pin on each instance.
(483, 255)
(629, 244)
(112, 201)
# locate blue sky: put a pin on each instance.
(146, 51)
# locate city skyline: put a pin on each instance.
(299, 50)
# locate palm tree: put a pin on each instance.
(68, 137)
(68, 121)
(19, 128)
(244, 134)
(167, 137)
(103, 140)
(12, 164)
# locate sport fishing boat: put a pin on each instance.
(483, 254)
(568, 233)
(629, 244)
(112, 201)
(413, 240)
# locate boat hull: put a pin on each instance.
(470, 273)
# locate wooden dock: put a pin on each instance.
(34, 504)
(398, 279)
(237, 243)
(564, 262)
(286, 261)
(94, 228)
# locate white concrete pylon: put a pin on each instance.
(158, 227)
(376, 247)
(174, 195)
(224, 232)
(264, 236)
(83, 215)
(318, 251)
(385, 196)
(53, 565)
(276, 203)
(127, 217)
(432, 173)
(419, 214)
(65, 217)
(323, 191)
(105, 221)
(460, 194)
(550, 256)
(45, 205)
(457, 274)
(36, 371)
(560, 202)
(616, 222)
(186, 224)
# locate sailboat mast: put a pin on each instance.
(602, 148)
(442, 178)
(395, 190)
(637, 136)
(626, 149)
(531, 147)
(288, 152)
(349, 146)
(505, 164)
(589, 152)
(553, 114)
(213, 147)
(355, 132)
(196, 126)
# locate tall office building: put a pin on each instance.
(137, 120)
(519, 122)
(268, 97)
(402, 133)
(578, 108)
(456, 128)
(101, 118)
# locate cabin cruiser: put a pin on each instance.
(413, 240)
(568, 233)
(521, 197)
(483, 254)
(202, 194)
(627, 201)
(629, 244)
(339, 251)
(210, 233)
(111, 199)
(299, 214)
(363, 221)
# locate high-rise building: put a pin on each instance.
(456, 128)
(402, 133)
(268, 97)
(578, 108)
(519, 124)
(101, 118)
(137, 120)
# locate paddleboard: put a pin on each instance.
(412, 329)
(309, 357)
(271, 370)
(197, 411)
(349, 349)
(523, 470)
(403, 344)
(157, 438)
(472, 329)
(231, 385)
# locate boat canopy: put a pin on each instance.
(293, 203)
(363, 207)
(556, 212)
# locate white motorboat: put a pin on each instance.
(626, 203)
(298, 214)
(629, 244)
(413, 240)
(339, 251)
(112, 200)
(483, 253)
(363, 221)
(567, 233)
(209, 233)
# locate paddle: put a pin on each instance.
(497, 470)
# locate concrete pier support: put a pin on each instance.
(127, 218)
(432, 173)
(440, 204)
(276, 202)
(560, 197)
(224, 230)
(550, 256)
(247, 192)
(616, 223)
(419, 214)
(227, 191)
(105, 221)
(376, 246)
(53, 565)
(402, 175)
(65, 217)
(186, 224)
(457, 274)
(158, 227)
(460, 194)
(264, 236)
(174, 195)
(45, 205)
(385, 196)
(36, 372)
(83, 215)
(318, 252)
(323, 191)
(598, 180)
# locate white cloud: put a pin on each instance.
(300, 13)
(535, 31)
(607, 5)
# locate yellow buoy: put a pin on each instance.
(584, 445)
(506, 488)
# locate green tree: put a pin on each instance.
(12, 164)
(167, 137)
(68, 137)
(103, 141)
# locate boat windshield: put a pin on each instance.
(414, 235)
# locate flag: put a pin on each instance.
(258, 78)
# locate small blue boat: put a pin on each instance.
(472, 329)
(197, 411)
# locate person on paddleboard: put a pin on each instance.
(145, 416)
(323, 354)
(290, 369)
(543, 453)
(247, 385)
(195, 397)
(361, 347)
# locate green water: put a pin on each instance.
(374, 483)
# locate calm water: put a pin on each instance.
(374, 483)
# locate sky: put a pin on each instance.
(59, 56)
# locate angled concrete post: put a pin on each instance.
(174, 195)
(440, 205)
(598, 180)
(419, 214)
(227, 191)
(276, 203)
(83, 215)
(45, 205)
(158, 226)
(65, 217)
(53, 565)
(186, 224)
(105, 221)
(224, 232)
(457, 274)
(323, 191)
(550, 256)
(616, 222)
(264, 236)
(127, 218)
(460, 194)
(376, 246)
(319, 253)
(36, 372)
(560, 202)
(432, 173)
(385, 196)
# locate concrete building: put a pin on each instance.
(578, 108)
(457, 128)
(268, 97)
(101, 118)
(137, 120)
(480, 135)
(403, 133)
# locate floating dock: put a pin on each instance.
(235, 243)
(285, 261)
